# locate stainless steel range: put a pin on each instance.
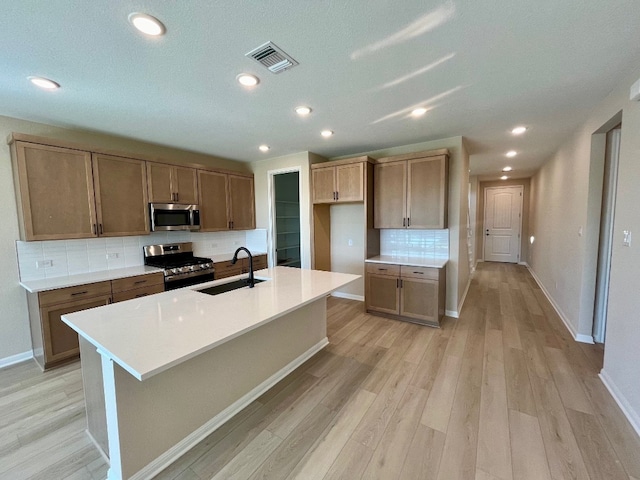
(181, 268)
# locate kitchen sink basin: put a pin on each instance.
(227, 287)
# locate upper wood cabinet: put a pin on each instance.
(340, 183)
(121, 196)
(411, 193)
(55, 189)
(172, 184)
(227, 201)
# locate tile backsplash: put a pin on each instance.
(415, 243)
(70, 257)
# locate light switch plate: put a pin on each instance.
(626, 241)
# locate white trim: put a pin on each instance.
(17, 358)
(625, 406)
(272, 258)
(578, 337)
(348, 296)
(175, 452)
(451, 313)
(464, 296)
(524, 263)
(98, 447)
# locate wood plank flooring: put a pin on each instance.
(503, 392)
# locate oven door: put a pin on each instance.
(174, 216)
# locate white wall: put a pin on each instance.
(15, 337)
(561, 203)
(261, 171)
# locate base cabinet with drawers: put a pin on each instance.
(55, 343)
(414, 294)
(227, 269)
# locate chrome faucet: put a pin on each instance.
(235, 259)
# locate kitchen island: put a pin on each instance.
(162, 372)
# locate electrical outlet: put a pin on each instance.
(44, 263)
(626, 241)
(350, 243)
(111, 256)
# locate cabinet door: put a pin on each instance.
(159, 182)
(427, 193)
(56, 192)
(382, 293)
(241, 203)
(390, 195)
(214, 214)
(350, 182)
(419, 299)
(185, 185)
(60, 341)
(323, 185)
(121, 196)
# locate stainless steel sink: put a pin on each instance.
(227, 287)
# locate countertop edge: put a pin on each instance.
(436, 263)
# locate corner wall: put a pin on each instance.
(562, 198)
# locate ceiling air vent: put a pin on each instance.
(272, 57)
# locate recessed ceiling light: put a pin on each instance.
(44, 83)
(264, 148)
(147, 24)
(302, 110)
(418, 112)
(519, 130)
(507, 169)
(511, 153)
(248, 80)
(326, 133)
(503, 177)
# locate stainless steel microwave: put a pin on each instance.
(174, 216)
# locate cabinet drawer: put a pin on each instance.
(137, 292)
(227, 269)
(383, 269)
(419, 272)
(128, 283)
(259, 262)
(70, 294)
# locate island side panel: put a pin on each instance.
(157, 413)
(94, 395)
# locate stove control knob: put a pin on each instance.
(193, 268)
(175, 270)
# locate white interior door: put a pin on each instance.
(502, 223)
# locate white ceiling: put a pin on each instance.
(480, 67)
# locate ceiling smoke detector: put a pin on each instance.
(272, 57)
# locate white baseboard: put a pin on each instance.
(464, 296)
(579, 337)
(175, 452)
(13, 359)
(451, 313)
(524, 263)
(625, 406)
(348, 296)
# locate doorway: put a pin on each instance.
(502, 223)
(284, 223)
(610, 180)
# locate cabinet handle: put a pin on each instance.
(382, 269)
(400, 283)
(79, 293)
(141, 295)
(397, 283)
(95, 230)
(408, 221)
(419, 273)
(139, 281)
(177, 196)
(101, 231)
(337, 196)
(404, 222)
(232, 224)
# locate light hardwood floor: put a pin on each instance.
(501, 393)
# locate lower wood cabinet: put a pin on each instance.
(227, 269)
(55, 343)
(415, 294)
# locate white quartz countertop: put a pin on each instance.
(44, 284)
(149, 335)
(411, 261)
